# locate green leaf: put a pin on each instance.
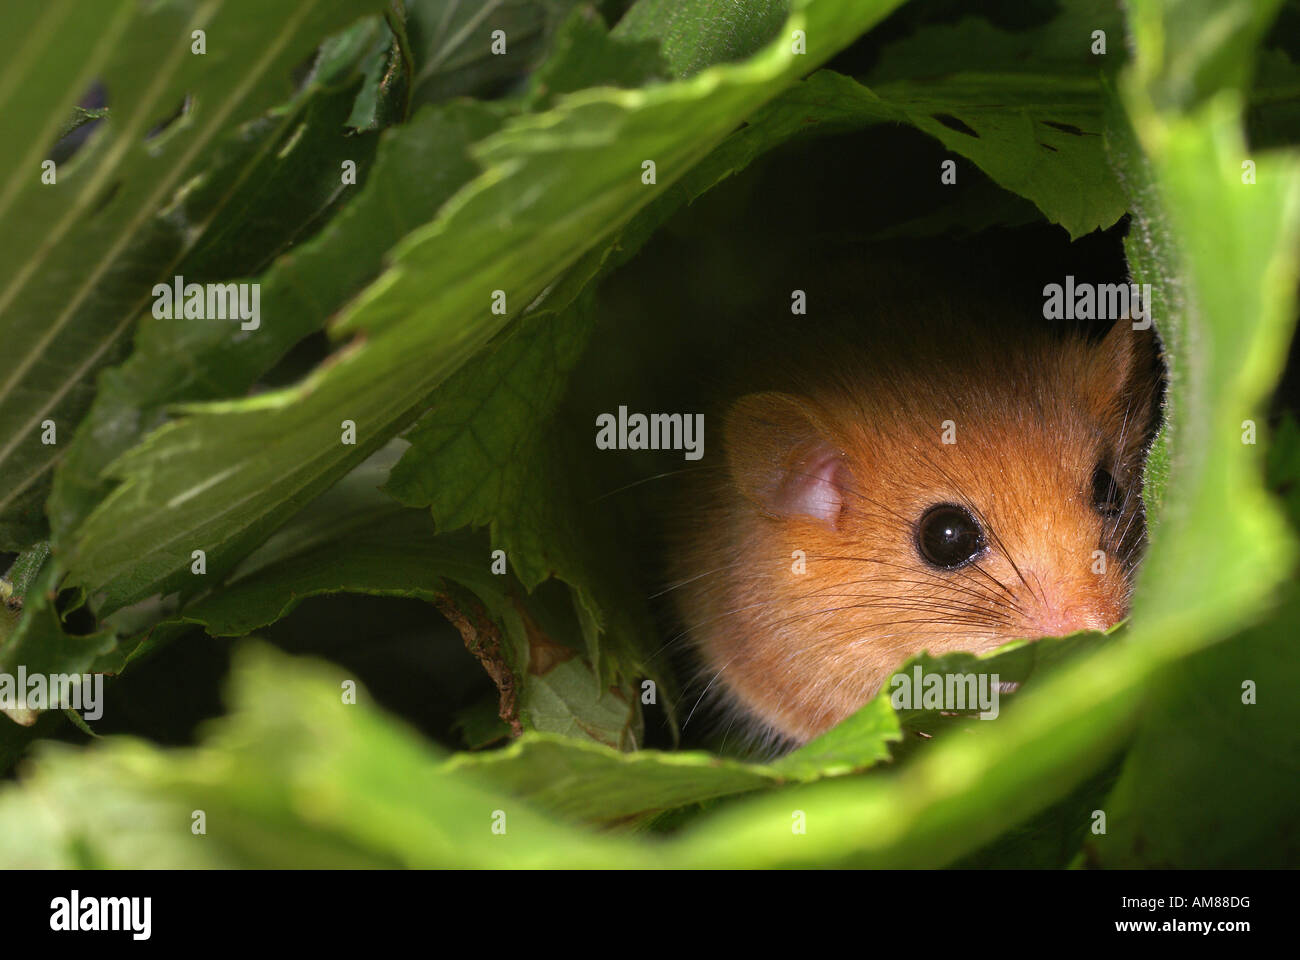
(80, 117)
(385, 87)
(39, 643)
(1222, 257)
(415, 171)
(451, 44)
(485, 455)
(1209, 780)
(701, 33)
(586, 55)
(584, 782)
(1178, 69)
(579, 781)
(1224, 251)
(1021, 664)
(393, 558)
(38, 41)
(199, 359)
(560, 699)
(1025, 106)
(515, 228)
(292, 776)
(23, 572)
(112, 223)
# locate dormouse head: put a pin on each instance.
(949, 491)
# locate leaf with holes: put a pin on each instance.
(226, 476)
(203, 358)
(85, 241)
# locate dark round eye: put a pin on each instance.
(1107, 495)
(948, 536)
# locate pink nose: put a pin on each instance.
(1064, 608)
(1061, 622)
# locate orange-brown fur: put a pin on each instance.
(1035, 412)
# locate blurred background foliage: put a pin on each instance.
(1087, 140)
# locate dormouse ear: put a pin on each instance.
(781, 459)
(1131, 380)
